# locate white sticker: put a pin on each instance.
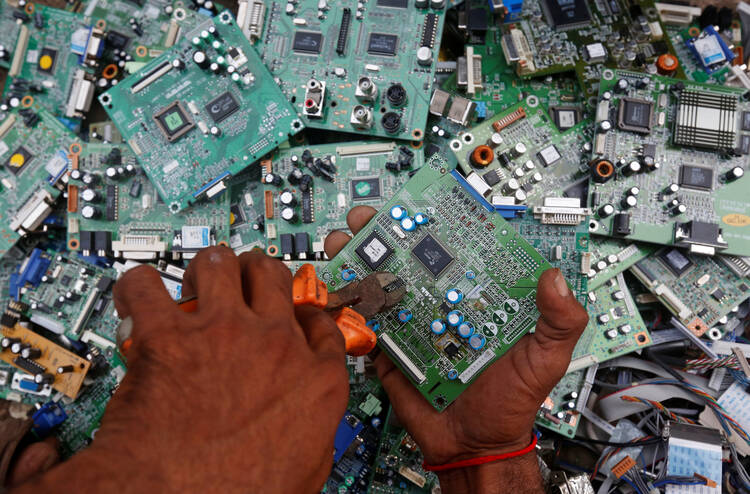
(3, 148)
(363, 164)
(32, 56)
(375, 250)
(195, 237)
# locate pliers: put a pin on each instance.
(350, 306)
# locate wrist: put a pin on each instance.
(519, 475)
(477, 450)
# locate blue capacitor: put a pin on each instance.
(373, 324)
(454, 296)
(477, 341)
(437, 326)
(465, 329)
(452, 374)
(421, 218)
(348, 274)
(408, 224)
(398, 212)
(375, 422)
(455, 318)
(470, 275)
(404, 315)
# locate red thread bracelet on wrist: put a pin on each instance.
(471, 462)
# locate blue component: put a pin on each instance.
(454, 296)
(421, 219)
(211, 184)
(28, 385)
(348, 274)
(465, 329)
(47, 418)
(452, 374)
(514, 10)
(408, 224)
(72, 125)
(455, 318)
(29, 272)
(507, 212)
(373, 324)
(55, 220)
(375, 422)
(470, 275)
(404, 315)
(398, 212)
(402, 485)
(710, 50)
(205, 12)
(481, 110)
(346, 433)
(437, 326)
(477, 341)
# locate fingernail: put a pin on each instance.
(560, 285)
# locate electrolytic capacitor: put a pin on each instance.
(201, 59)
(75, 174)
(622, 85)
(510, 187)
(519, 149)
(629, 202)
(437, 326)
(7, 342)
(90, 195)
(288, 214)
(605, 126)
(65, 369)
(286, 198)
(671, 189)
(606, 210)
(273, 179)
(734, 173)
(465, 329)
(454, 295)
(89, 178)
(90, 212)
(31, 353)
(44, 378)
(631, 168)
(634, 191)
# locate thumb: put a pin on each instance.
(34, 460)
(562, 318)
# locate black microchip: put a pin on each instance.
(675, 260)
(703, 313)
(382, 44)
(222, 106)
(111, 201)
(104, 284)
(237, 216)
(28, 365)
(396, 4)
(649, 150)
(46, 61)
(743, 287)
(429, 28)
(432, 255)
(696, 177)
(116, 41)
(745, 144)
(8, 320)
(659, 47)
(374, 250)
(566, 14)
(746, 120)
(451, 349)
(492, 178)
(565, 117)
(307, 42)
(718, 294)
(365, 188)
(641, 265)
(173, 121)
(307, 205)
(635, 115)
(18, 160)
(477, 20)
(619, 312)
(431, 149)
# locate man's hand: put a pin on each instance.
(496, 413)
(243, 395)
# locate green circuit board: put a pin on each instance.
(191, 128)
(698, 290)
(693, 69)
(247, 220)
(662, 173)
(615, 326)
(34, 159)
(362, 67)
(585, 36)
(9, 31)
(610, 257)
(397, 469)
(463, 246)
(519, 158)
(130, 220)
(339, 177)
(558, 411)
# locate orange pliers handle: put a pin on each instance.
(307, 289)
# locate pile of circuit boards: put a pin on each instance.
(496, 139)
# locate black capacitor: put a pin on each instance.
(631, 168)
(307, 157)
(201, 59)
(65, 369)
(734, 173)
(622, 85)
(629, 202)
(31, 353)
(7, 342)
(178, 64)
(606, 210)
(76, 174)
(289, 215)
(504, 159)
(90, 178)
(91, 195)
(90, 212)
(294, 176)
(44, 378)
(286, 198)
(595, 198)
(273, 179)
(18, 347)
(38, 20)
(84, 271)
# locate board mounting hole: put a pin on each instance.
(27, 101)
(141, 51)
(75, 148)
(73, 244)
(272, 250)
(101, 24)
(110, 71)
(223, 244)
(417, 133)
(29, 8)
(468, 138)
(334, 104)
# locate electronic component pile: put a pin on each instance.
(496, 139)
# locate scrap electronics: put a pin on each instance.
(496, 139)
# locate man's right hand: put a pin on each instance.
(496, 413)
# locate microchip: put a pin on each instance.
(18, 159)
(743, 287)
(566, 14)
(65, 280)
(635, 115)
(173, 121)
(451, 349)
(374, 251)
(696, 177)
(706, 119)
(116, 41)
(649, 150)
(46, 61)
(746, 120)
(237, 216)
(492, 178)
(675, 260)
(565, 117)
(222, 106)
(549, 155)
(396, 4)
(718, 294)
(307, 42)
(382, 44)
(745, 144)
(432, 255)
(365, 188)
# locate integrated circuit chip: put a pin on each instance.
(675, 260)
(222, 106)
(365, 188)
(565, 117)
(46, 61)
(382, 44)
(396, 4)
(374, 251)
(307, 42)
(696, 177)
(18, 159)
(432, 255)
(566, 14)
(635, 115)
(746, 120)
(173, 121)
(549, 155)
